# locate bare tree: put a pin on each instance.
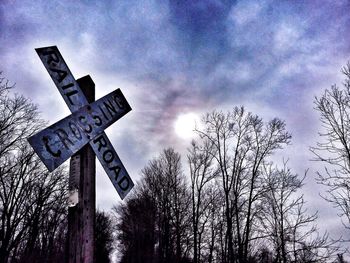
(28, 193)
(104, 238)
(165, 179)
(211, 224)
(45, 211)
(334, 146)
(286, 223)
(242, 143)
(160, 208)
(136, 228)
(200, 160)
(19, 119)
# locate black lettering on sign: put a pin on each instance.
(75, 130)
(52, 57)
(110, 108)
(48, 149)
(67, 86)
(61, 74)
(98, 121)
(124, 179)
(104, 114)
(62, 134)
(69, 94)
(101, 142)
(119, 104)
(108, 156)
(82, 120)
(116, 169)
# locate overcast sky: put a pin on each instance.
(174, 58)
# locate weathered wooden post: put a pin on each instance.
(81, 216)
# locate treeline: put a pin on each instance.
(32, 201)
(233, 204)
(237, 206)
(226, 201)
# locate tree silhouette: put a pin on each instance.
(154, 223)
(242, 143)
(237, 207)
(202, 171)
(32, 200)
(333, 149)
(286, 222)
(104, 238)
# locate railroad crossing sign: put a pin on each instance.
(86, 124)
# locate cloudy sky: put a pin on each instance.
(175, 60)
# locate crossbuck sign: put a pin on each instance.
(86, 124)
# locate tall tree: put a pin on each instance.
(28, 193)
(157, 214)
(104, 238)
(242, 143)
(202, 171)
(165, 179)
(136, 228)
(333, 149)
(286, 223)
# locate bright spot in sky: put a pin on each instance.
(185, 125)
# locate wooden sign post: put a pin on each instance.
(81, 136)
(81, 216)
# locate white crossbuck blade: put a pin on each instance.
(86, 124)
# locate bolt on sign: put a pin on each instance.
(86, 124)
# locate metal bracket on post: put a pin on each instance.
(74, 180)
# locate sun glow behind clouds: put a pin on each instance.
(185, 124)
